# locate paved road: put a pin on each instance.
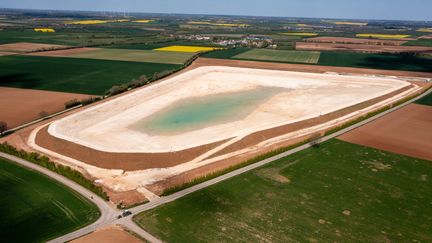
(108, 213)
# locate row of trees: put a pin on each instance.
(65, 171)
(143, 79)
(76, 102)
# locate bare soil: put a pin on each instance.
(407, 131)
(28, 47)
(344, 40)
(124, 161)
(4, 53)
(19, 106)
(110, 234)
(127, 198)
(309, 46)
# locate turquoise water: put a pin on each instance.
(196, 113)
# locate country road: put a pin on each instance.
(109, 213)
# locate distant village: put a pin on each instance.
(244, 41)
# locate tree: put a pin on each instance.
(3, 127)
(315, 140)
(43, 114)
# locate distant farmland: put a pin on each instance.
(348, 59)
(280, 56)
(85, 76)
(34, 208)
(148, 56)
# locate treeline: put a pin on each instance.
(76, 102)
(143, 79)
(65, 171)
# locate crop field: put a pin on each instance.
(350, 23)
(338, 192)
(217, 24)
(350, 59)
(131, 55)
(280, 56)
(96, 21)
(426, 30)
(20, 106)
(427, 100)
(419, 42)
(193, 49)
(226, 54)
(72, 75)
(383, 36)
(406, 131)
(376, 61)
(161, 45)
(302, 34)
(35, 208)
(44, 30)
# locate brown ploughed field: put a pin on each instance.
(344, 40)
(28, 47)
(110, 234)
(310, 46)
(4, 53)
(19, 106)
(407, 131)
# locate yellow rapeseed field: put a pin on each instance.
(186, 48)
(88, 22)
(44, 30)
(218, 24)
(382, 36)
(428, 30)
(301, 34)
(143, 21)
(350, 23)
(95, 21)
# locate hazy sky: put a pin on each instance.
(357, 9)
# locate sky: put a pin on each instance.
(345, 9)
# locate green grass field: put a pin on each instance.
(420, 42)
(348, 59)
(35, 208)
(280, 56)
(226, 54)
(130, 55)
(339, 192)
(427, 100)
(376, 61)
(161, 44)
(73, 75)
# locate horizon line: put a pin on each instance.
(207, 14)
